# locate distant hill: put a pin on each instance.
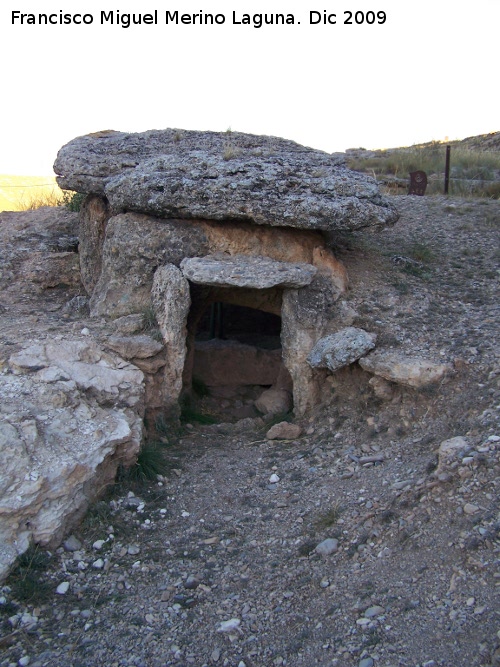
(481, 142)
(475, 165)
(18, 193)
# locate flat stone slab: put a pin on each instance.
(411, 371)
(341, 349)
(223, 176)
(134, 347)
(246, 271)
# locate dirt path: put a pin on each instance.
(217, 564)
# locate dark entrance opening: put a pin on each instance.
(234, 354)
(249, 326)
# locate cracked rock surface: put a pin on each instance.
(222, 176)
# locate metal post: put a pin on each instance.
(447, 170)
(212, 320)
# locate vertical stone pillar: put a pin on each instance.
(94, 215)
(306, 316)
(171, 302)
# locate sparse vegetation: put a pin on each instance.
(72, 200)
(26, 581)
(150, 324)
(28, 193)
(150, 463)
(421, 253)
(230, 152)
(473, 172)
(329, 518)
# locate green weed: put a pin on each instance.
(72, 200)
(27, 579)
(421, 253)
(150, 463)
(329, 518)
(150, 324)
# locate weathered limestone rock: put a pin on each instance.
(38, 247)
(227, 362)
(306, 317)
(92, 370)
(127, 325)
(246, 271)
(66, 424)
(171, 301)
(52, 269)
(222, 176)
(284, 431)
(274, 402)
(135, 245)
(411, 371)
(134, 347)
(94, 214)
(341, 349)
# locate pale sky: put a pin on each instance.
(429, 72)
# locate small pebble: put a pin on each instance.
(376, 610)
(72, 544)
(469, 508)
(327, 547)
(63, 588)
(191, 583)
(229, 626)
(366, 662)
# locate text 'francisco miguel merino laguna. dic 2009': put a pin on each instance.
(126, 20)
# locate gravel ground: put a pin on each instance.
(352, 545)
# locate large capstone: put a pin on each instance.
(222, 176)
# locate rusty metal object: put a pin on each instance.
(418, 183)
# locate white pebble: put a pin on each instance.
(327, 547)
(85, 331)
(274, 478)
(229, 626)
(98, 564)
(63, 588)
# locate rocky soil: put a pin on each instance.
(362, 542)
